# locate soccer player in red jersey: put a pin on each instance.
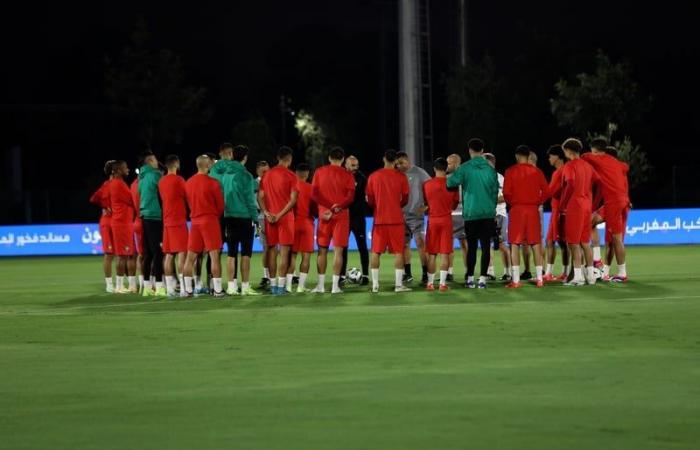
(277, 196)
(575, 206)
(138, 230)
(438, 238)
(333, 191)
(171, 188)
(304, 211)
(615, 193)
(554, 232)
(524, 189)
(206, 201)
(101, 199)
(387, 194)
(123, 211)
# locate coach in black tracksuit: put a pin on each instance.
(358, 211)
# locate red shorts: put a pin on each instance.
(388, 236)
(524, 225)
(303, 236)
(280, 232)
(577, 227)
(337, 230)
(615, 217)
(175, 239)
(554, 231)
(123, 239)
(138, 235)
(205, 235)
(438, 237)
(106, 234)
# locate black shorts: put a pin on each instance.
(239, 232)
(481, 229)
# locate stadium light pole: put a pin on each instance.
(408, 80)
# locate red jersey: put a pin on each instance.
(440, 201)
(101, 198)
(613, 177)
(171, 188)
(333, 185)
(278, 184)
(121, 202)
(525, 184)
(555, 187)
(135, 196)
(304, 207)
(387, 193)
(205, 197)
(578, 179)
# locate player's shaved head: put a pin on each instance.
(453, 161)
(572, 144)
(203, 163)
(352, 163)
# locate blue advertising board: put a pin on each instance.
(644, 227)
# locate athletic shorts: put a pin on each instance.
(175, 239)
(414, 227)
(303, 236)
(106, 234)
(280, 232)
(138, 235)
(501, 235)
(438, 238)
(239, 233)
(554, 231)
(480, 229)
(615, 216)
(458, 227)
(205, 235)
(577, 226)
(123, 239)
(388, 237)
(524, 225)
(336, 230)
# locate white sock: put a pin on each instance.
(550, 269)
(132, 283)
(606, 270)
(538, 271)
(515, 273)
(108, 283)
(578, 274)
(273, 282)
(336, 280)
(622, 270)
(120, 282)
(490, 271)
(450, 270)
(431, 278)
(217, 284)
(170, 284)
(590, 274)
(266, 272)
(245, 286)
(188, 284)
(182, 280)
(482, 280)
(197, 282)
(321, 282)
(159, 285)
(281, 281)
(443, 277)
(596, 253)
(375, 277)
(289, 279)
(470, 279)
(140, 281)
(233, 285)
(398, 277)
(302, 280)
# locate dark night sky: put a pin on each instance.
(247, 53)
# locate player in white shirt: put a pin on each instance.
(499, 241)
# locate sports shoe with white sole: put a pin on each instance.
(318, 290)
(402, 289)
(336, 291)
(574, 283)
(250, 291)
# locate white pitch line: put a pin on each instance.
(297, 309)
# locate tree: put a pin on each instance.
(257, 135)
(639, 167)
(149, 87)
(313, 137)
(475, 103)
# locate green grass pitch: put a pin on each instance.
(596, 367)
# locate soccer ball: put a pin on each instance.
(597, 273)
(354, 275)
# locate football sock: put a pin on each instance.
(622, 270)
(375, 277)
(515, 273)
(550, 269)
(188, 285)
(336, 280)
(217, 284)
(431, 278)
(443, 277)
(108, 283)
(302, 280)
(538, 270)
(398, 277)
(596, 253)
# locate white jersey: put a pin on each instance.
(458, 210)
(501, 206)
